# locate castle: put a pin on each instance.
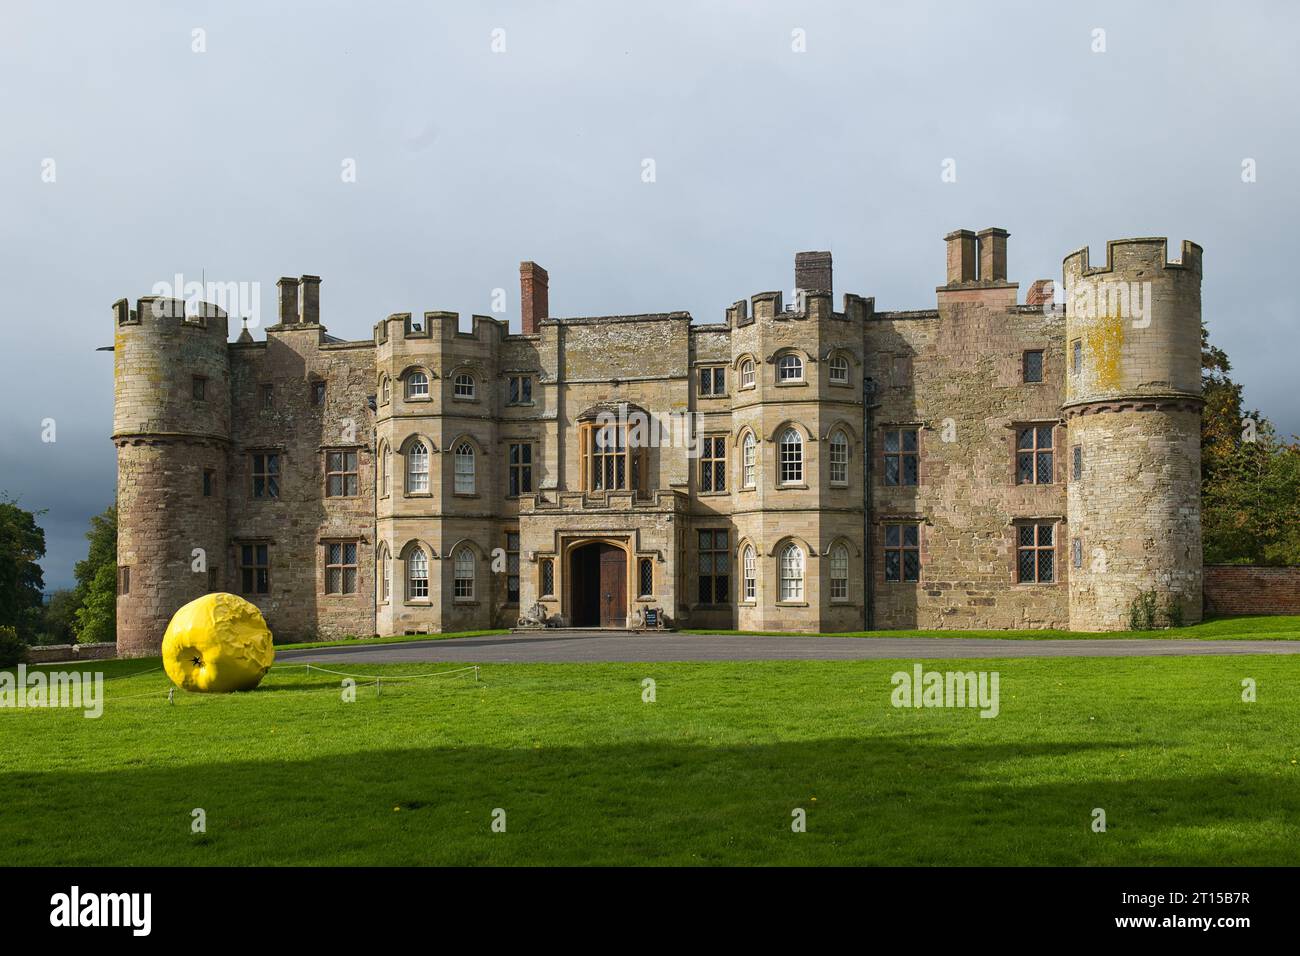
(981, 464)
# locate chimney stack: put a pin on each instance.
(812, 271)
(288, 300)
(961, 256)
(533, 296)
(1041, 292)
(311, 299)
(993, 255)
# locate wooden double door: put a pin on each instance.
(598, 585)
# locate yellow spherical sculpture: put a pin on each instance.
(217, 644)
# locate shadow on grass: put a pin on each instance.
(903, 799)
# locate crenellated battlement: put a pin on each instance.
(1126, 255)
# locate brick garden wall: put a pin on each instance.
(1243, 589)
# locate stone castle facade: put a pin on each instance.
(981, 464)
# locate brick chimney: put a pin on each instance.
(1040, 292)
(961, 256)
(311, 299)
(993, 255)
(812, 271)
(288, 300)
(533, 296)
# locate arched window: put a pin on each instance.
(747, 374)
(417, 385)
(417, 468)
(385, 390)
(789, 368)
(749, 573)
(464, 484)
(463, 571)
(791, 572)
(463, 386)
(839, 458)
(385, 464)
(417, 575)
(839, 573)
(839, 370)
(749, 461)
(791, 457)
(385, 575)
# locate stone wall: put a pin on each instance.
(1245, 589)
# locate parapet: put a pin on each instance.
(1124, 255)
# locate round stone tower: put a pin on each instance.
(171, 426)
(1133, 410)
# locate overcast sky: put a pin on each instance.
(229, 163)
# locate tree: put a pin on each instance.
(60, 621)
(96, 589)
(22, 545)
(1250, 479)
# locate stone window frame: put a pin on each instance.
(265, 396)
(408, 459)
(517, 554)
(713, 454)
(716, 553)
(711, 370)
(385, 389)
(749, 470)
(1076, 356)
(517, 471)
(781, 458)
(902, 548)
(1035, 451)
(464, 386)
(841, 433)
(463, 558)
(344, 473)
(901, 370)
(546, 577)
(635, 463)
(790, 554)
(1042, 367)
(413, 550)
(199, 388)
(838, 360)
(384, 468)
(383, 574)
(779, 362)
(518, 384)
(266, 474)
(409, 378)
(1076, 462)
(1076, 552)
(901, 453)
(645, 578)
(319, 392)
(342, 566)
(839, 551)
(209, 482)
(1055, 548)
(748, 371)
(249, 567)
(464, 448)
(123, 579)
(748, 575)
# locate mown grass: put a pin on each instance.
(1278, 627)
(587, 773)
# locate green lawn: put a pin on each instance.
(709, 773)
(1277, 627)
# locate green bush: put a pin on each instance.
(1142, 611)
(12, 649)
(1173, 611)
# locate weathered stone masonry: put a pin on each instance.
(844, 468)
